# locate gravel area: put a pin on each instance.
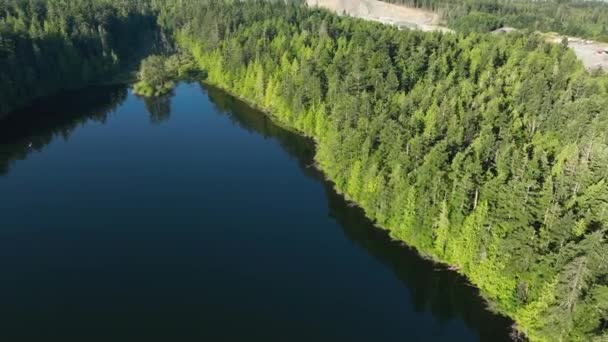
(401, 16)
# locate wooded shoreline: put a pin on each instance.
(488, 153)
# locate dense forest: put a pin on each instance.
(46, 46)
(488, 153)
(579, 18)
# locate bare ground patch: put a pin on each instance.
(594, 55)
(401, 16)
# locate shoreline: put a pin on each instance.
(490, 305)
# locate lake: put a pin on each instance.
(193, 217)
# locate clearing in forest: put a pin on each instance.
(401, 16)
(594, 55)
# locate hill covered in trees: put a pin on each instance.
(485, 152)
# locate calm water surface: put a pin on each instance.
(195, 218)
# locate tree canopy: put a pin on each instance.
(46, 46)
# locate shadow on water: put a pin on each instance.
(159, 107)
(34, 127)
(240, 113)
(433, 288)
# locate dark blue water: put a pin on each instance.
(194, 218)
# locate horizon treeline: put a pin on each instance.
(488, 153)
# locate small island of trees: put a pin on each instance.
(157, 74)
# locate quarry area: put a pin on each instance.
(400, 16)
(594, 55)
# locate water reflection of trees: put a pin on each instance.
(32, 128)
(432, 287)
(159, 107)
(300, 148)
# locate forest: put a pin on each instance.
(579, 18)
(64, 44)
(487, 153)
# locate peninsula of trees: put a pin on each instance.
(488, 153)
